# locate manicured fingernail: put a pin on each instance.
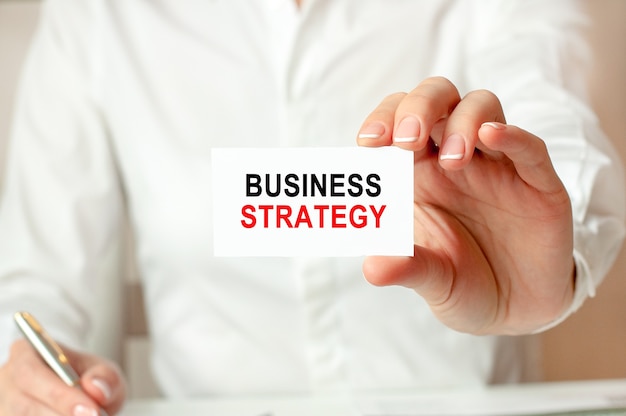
(453, 148)
(372, 131)
(103, 386)
(81, 410)
(494, 125)
(407, 131)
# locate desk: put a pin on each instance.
(525, 399)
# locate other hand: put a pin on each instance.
(29, 387)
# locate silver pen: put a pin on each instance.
(49, 350)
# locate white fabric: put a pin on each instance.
(121, 103)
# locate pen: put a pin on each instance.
(49, 350)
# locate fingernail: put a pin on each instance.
(372, 131)
(407, 131)
(81, 410)
(453, 148)
(494, 125)
(103, 386)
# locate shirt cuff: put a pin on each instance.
(584, 288)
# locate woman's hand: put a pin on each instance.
(493, 225)
(29, 387)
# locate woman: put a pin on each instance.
(122, 101)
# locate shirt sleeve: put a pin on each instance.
(61, 204)
(535, 56)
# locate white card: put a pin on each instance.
(340, 201)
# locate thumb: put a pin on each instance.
(429, 274)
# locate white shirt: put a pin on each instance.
(122, 102)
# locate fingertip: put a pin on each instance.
(453, 153)
(490, 131)
(505, 138)
(97, 388)
(494, 125)
(371, 271)
(406, 134)
(372, 134)
(105, 385)
(386, 270)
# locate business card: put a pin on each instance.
(338, 201)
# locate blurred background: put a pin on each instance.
(589, 345)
